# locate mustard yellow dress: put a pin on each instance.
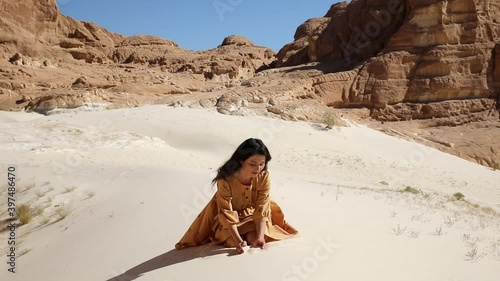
(237, 204)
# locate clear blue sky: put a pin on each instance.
(200, 24)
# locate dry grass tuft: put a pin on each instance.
(24, 213)
(63, 211)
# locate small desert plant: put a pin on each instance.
(399, 230)
(466, 237)
(63, 211)
(417, 217)
(449, 222)
(24, 213)
(46, 183)
(337, 194)
(51, 189)
(50, 199)
(393, 214)
(459, 196)
(384, 183)
(438, 231)
(30, 186)
(37, 211)
(68, 189)
(45, 220)
(469, 241)
(40, 194)
(328, 120)
(414, 233)
(473, 255)
(410, 189)
(90, 194)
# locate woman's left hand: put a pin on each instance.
(261, 243)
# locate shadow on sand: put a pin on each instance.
(172, 257)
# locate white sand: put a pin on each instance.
(149, 169)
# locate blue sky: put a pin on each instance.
(200, 24)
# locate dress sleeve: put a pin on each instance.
(227, 217)
(262, 202)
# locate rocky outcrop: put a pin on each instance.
(235, 58)
(35, 27)
(406, 51)
(43, 14)
(144, 49)
(54, 60)
(50, 34)
(298, 52)
(236, 40)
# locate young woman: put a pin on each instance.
(241, 212)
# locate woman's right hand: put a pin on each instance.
(239, 248)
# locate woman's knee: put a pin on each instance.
(251, 237)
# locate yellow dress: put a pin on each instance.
(237, 204)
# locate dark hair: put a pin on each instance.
(245, 150)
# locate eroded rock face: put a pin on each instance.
(405, 51)
(35, 28)
(42, 14)
(52, 35)
(302, 49)
(236, 40)
(42, 50)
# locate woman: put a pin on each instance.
(241, 212)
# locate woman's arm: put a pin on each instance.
(261, 240)
(233, 230)
(235, 235)
(263, 209)
(227, 216)
(260, 227)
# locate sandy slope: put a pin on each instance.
(149, 169)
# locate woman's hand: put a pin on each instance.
(261, 243)
(239, 248)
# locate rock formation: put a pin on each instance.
(43, 55)
(400, 53)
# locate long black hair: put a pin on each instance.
(245, 150)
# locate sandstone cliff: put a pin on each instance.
(404, 58)
(45, 56)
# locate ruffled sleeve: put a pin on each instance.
(227, 216)
(262, 202)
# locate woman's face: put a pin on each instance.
(253, 165)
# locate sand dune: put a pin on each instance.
(135, 178)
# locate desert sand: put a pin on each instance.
(134, 179)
